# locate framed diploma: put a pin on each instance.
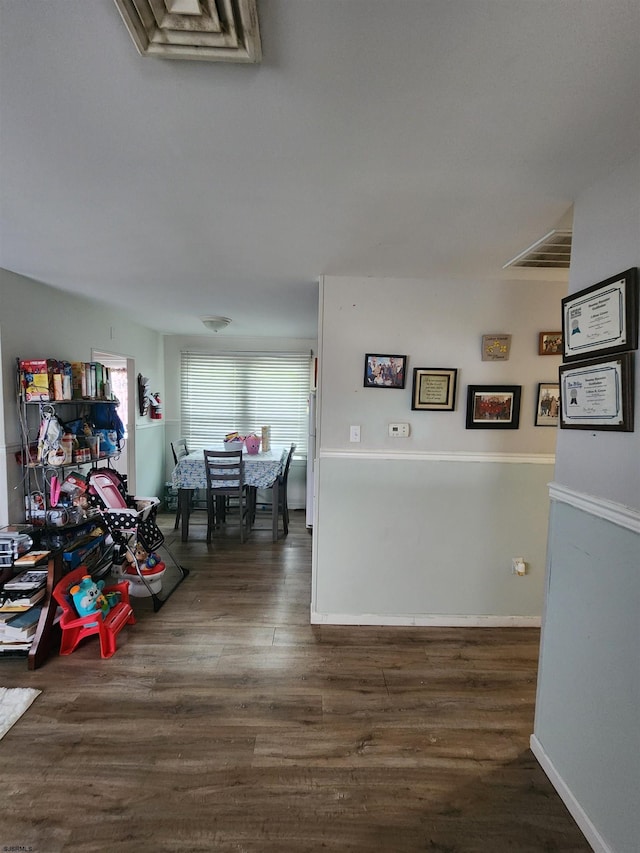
(597, 394)
(434, 389)
(601, 319)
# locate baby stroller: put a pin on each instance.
(131, 522)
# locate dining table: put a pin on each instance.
(261, 470)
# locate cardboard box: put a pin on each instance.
(35, 379)
(78, 380)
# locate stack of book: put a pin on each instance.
(21, 601)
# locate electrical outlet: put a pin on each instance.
(518, 566)
(399, 430)
(354, 433)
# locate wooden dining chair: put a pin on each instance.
(283, 505)
(179, 449)
(225, 479)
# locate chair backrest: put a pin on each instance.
(225, 471)
(179, 449)
(285, 471)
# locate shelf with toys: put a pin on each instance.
(68, 424)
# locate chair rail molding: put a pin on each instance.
(441, 456)
(623, 516)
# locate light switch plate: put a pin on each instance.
(354, 433)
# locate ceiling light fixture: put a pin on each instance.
(214, 324)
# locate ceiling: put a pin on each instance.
(406, 139)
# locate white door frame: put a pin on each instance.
(127, 462)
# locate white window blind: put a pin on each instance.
(221, 393)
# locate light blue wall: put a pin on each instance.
(587, 726)
(410, 539)
(589, 702)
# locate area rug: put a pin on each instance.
(14, 701)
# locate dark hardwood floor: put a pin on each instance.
(225, 722)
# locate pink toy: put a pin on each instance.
(252, 443)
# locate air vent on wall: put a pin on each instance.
(553, 251)
(214, 30)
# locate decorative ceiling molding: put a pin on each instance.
(212, 30)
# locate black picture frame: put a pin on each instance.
(384, 371)
(548, 404)
(598, 394)
(601, 320)
(434, 389)
(493, 406)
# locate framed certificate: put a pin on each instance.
(597, 394)
(601, 319)
(434, 389)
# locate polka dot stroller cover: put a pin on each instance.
(132, 521)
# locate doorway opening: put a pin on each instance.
(123, 387)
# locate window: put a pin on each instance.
(120, 388)
(221, 393)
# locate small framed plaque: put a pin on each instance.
(601, 319)
(496, 347)
(434, 389)
(550, 343)
(597, 394)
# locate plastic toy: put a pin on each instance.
(76, 628)
(88, 597)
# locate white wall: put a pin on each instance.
(412, 530)
(587, 726)
(37, 321)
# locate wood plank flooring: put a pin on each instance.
(225, 722)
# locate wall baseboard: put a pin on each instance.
(566, 795)
(425, 620)
(623, 516)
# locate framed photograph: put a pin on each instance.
(434, 389)
(550, 343)
(598, 394)
(493, 406)
(601, 319)
(384, 371)
(496, 347)
(548, 404)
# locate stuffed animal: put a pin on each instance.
(88, 597)
(144, 559)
